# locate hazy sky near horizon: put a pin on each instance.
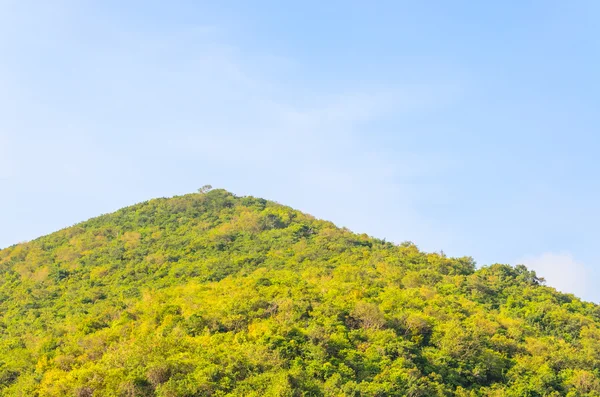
(468, 127)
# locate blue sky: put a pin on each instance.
(468, 127)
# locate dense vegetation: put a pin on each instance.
(211, 294)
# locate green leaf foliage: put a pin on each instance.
(210, 294)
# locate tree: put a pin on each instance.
(204, 189)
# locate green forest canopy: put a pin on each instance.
(210, 294)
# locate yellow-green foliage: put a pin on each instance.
(211, 294)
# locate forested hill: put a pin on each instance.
(210, 294)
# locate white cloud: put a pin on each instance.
(561, 271)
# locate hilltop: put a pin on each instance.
(211, 294)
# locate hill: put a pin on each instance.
(211, 294)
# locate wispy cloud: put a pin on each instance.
(162, 112)
(5, 160)
(561, 271)
(320, 154)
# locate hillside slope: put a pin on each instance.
(217, 295)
